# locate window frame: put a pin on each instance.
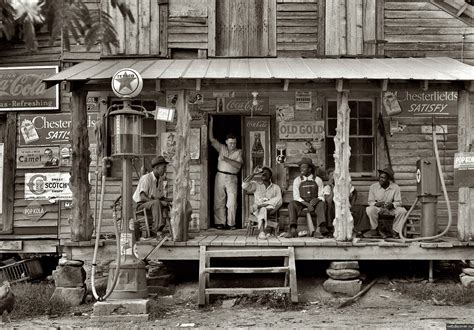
(373, 101)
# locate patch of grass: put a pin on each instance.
(449, 293)
(33, 299)
(277, 301)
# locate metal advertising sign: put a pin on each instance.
(245, 105)
(37, 157)
(34, 210)
(21, 88)
(464, 169)
(257, 130)
(312, 130)
(47, 129)
(47, 186)
(416, 103)
(127, 83)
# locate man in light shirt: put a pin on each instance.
(312, 199)
(149, 195)
(385, 197)
(225, 186)
(267, 197)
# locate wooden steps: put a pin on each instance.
(205, 269)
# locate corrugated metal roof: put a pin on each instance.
(431, 68)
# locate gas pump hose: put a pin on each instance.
(446, 198)
(96, 245)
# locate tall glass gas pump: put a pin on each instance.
(126, 131)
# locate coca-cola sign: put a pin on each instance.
(22, 88)
(246, 105)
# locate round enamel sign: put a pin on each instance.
(127, 83)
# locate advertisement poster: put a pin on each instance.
(312, 130)
(464, 169)
(285, 112)
(37, 157)
(65, 154)
(1, 178)
(245, 105)
(47, 186)
(257, 131)
(310, 149)
(419, 103)
(22, 88)
(46, 129)
(168, 145)
(303, 100)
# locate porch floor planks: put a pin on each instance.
(195, 240)
(240, 240)
(207, 240)
(229, 240)
(218, 241)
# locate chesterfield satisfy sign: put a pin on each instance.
(21, 88)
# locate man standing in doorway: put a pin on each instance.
(225, 189)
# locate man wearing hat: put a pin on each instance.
(308, 193)
(225, 186)
(149, 195)
(267, 197)
(385, 198)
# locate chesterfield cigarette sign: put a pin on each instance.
(21, 88)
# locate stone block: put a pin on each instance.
(69, 276)
(70, 296)
(67, 262)
(121, 307)
(100, 284)
(347, 287)
(467, 281)
(468, 271)
(162, 290)
(161, 280)
(344, 265)
(343, 274)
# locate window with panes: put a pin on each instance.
(361, 136)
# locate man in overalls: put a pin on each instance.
(225, 188)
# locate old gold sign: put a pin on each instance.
(301, 129)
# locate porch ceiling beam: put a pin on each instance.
(469, 85)
(198, 84)
(384, 84)
(425, 85)
(157, 85)
(339, 85)
(286, 84)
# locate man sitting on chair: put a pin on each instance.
(149, 195)
(267, 197)
(308, 193)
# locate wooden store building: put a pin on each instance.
(283, 76)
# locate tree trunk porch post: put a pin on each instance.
(343, 222)
(81, 217)
(465, 223)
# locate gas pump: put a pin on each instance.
(127, 274)
(428, 189)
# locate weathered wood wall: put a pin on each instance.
(419, 29)
(298, 28)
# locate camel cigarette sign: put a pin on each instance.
(22, 88)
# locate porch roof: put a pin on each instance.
(429, 68)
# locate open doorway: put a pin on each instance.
(223, 125)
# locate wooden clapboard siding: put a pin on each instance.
(297, 28)
(187, 32)
(148, 36)
(419, 28)
(15, 52)
(24, 224)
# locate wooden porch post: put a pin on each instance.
(343, 223)
(179, 221)
(466, 194)
(81, 217)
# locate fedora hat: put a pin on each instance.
(158, 161)
(389, 172)
(306, 161)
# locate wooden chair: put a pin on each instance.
(273, 221)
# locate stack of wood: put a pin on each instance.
(343, 278)
(467, 275)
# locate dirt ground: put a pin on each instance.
(382, 306)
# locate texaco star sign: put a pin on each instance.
(127, 83)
